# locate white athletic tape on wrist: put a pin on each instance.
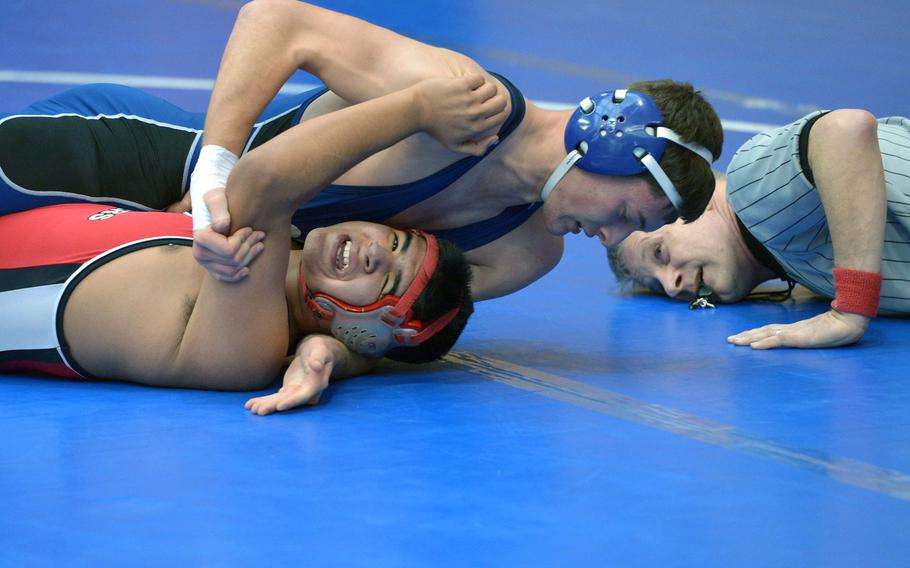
(212, 170)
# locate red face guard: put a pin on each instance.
(386, 323)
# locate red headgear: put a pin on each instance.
(386, 323)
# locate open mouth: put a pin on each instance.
(343, 255)
(703, 290)
(703, 298)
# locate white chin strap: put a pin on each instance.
(643, 156)
(562, 169)
(663, 181)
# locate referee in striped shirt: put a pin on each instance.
(823, 202)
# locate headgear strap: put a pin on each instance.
(620, 133)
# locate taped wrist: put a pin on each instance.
(212, 170)
(856, 291)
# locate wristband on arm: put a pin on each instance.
(856, 291)
(212, 170)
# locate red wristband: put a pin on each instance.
(856, 291)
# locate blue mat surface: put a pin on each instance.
(572, 426)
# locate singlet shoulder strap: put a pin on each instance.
(477, 234)
(339, 203)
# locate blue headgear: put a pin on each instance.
(619, 133)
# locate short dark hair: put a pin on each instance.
(449, 287)
(689, 114)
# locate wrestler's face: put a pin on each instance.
(680, 258)
(606, 207)
(359, 262)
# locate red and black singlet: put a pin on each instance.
(46, 252)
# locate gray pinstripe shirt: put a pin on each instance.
(768, 190)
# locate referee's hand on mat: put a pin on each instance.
(830, 329)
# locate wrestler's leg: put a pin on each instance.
(113, 144)
(104, 143)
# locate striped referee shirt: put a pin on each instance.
(769, 187)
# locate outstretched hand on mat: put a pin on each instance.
(830, 329)
(305, 379)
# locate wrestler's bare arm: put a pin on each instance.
(271, 39)
(238, 331)
(241, 326)
(846, 162)
(493, 265)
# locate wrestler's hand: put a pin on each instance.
(463, 113)
(830, 329)
(304, 380)
(225, 257)
(182, 206)
(235, 253)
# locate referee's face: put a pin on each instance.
(684, 260)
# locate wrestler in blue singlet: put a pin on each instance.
(118, 145)
(111, 144)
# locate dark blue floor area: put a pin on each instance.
(574, 425)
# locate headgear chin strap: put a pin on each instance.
(619, 133)
(386, 323)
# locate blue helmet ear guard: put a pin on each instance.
(620, 133)
(613, 127)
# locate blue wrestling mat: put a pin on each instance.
(572, 426)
